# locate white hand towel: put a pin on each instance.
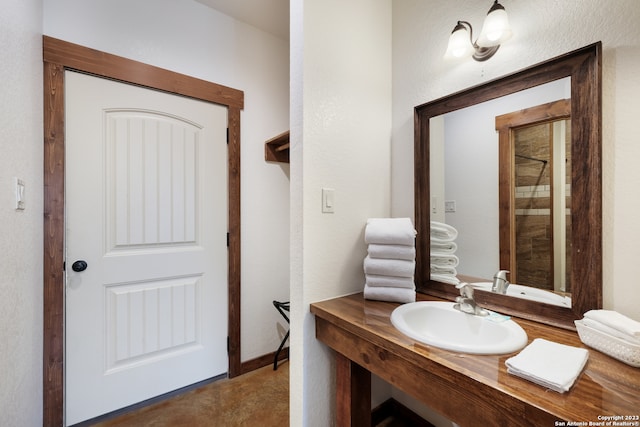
(549, 364)
(445, 278)
(443, 232)
(615, 320)
(377, 281)
(610, 331)
(389, 294)
(390, 231)
(389, 267)
(392, 251)
(442, 248)
(444, 260)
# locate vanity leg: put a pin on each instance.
(353, 394)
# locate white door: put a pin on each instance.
(146, 209)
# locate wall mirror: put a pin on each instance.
(477, 170)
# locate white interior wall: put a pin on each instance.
(21, 231)
(341, 125)
(190, 38)
(542, 30)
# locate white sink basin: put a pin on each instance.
(530, 293)
(438, 324)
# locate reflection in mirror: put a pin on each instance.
(465, 176)
(535, 194)
(540, 234)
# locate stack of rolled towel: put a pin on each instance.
(391, 260)
(443, 258)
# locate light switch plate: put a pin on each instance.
(19, 191)
(328, 200)
(450, 206)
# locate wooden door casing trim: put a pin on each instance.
(59, 56)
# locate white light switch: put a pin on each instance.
(328, 200)
(19, 190)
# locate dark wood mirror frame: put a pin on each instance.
(584, 67)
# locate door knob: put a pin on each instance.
(79, 266)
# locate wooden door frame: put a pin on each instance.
(59, 56)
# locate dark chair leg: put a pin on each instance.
(281, 307)
(275, 359)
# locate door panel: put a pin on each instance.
(146, 208)
(150, 207)
(150, 320)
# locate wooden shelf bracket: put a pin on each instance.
(277, 148)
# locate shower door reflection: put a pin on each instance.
(539, 191)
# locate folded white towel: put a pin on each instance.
(444, 260)
(610, 331)
(392, 251)
(389, 294)
(445, 278)
(549, 364)
(377, 281)
(443, 269)
(442, 248)
(390, 231)
(443, 232)
(615, 320)
(389, 267)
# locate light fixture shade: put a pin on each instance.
(459, 43)
(496, 28)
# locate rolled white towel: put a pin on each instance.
(443, 232)
(445, 278)
(444, 260)
(389, 267)
(376, 281)
(441, 269)
(389, 294)
(442, 248)
(549, 364)
(392, 251)
(437, 240)
(615, 320)
(390, 231)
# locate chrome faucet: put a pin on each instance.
(500, 282)
(466, 303)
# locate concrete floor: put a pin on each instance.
(258, 398)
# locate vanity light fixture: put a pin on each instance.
(495, 31)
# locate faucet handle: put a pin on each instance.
(502, 274)
(466, 290)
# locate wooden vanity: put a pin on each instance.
(471, 390)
